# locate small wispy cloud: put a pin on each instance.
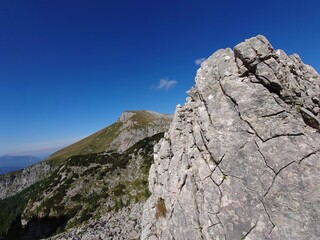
(166, 84)
(199, 61)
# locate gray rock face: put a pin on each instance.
(242, 157)
(13, 183)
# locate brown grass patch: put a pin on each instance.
(161, 210)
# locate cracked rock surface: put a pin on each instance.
(242, 157)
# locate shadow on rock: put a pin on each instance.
(37, 228)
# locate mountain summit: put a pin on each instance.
(242, 157)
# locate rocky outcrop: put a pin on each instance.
(15, 182)
(242, 157)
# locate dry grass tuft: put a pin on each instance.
(161, 210)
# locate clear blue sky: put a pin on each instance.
(70, 67)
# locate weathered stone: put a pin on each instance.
(240, 160)
(310, 118)
(124, 224)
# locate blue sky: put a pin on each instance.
(69, 68)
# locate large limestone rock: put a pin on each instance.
(242, 157)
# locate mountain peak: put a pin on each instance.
(126, 115)
(138, 115)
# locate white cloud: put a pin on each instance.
(166, 84)
(199, 61)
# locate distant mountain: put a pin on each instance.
(13, 163)
(131, 127)
(104, 176)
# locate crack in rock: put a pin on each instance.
(250, 230)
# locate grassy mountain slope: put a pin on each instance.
(83, 188)
(131, 127)
(96, 142)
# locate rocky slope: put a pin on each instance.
(123, 192)
(105, 190)
(242, 157)
(12, 183)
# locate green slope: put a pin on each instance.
(96, 142)
(103, 178)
